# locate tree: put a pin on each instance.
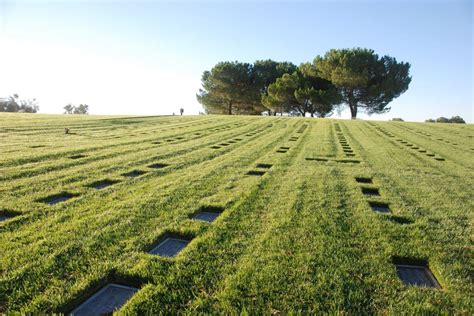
(281, 94)
(81, 109)
(319, 94)
(69, 109)
(457, 119)
(430, 121)
(229, 88)
(364, 80)
(397, 119)
(15, 104)
(266, 72)
(302, 92)
(442, 120)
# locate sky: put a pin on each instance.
(147, 57)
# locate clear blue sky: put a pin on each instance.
(147, 57)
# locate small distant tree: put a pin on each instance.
(442, 120)
(457, 119)
(69, 109)
(81, 109)
(397, 119)
(430, 121)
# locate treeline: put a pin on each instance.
(76, 109)
(454, 119)
(357, 78)
(15, 104)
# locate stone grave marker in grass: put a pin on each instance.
(256, 173)
(6, 215)
(264, 165)
(415, 272)
(208, 213)
(379, 207)
(169, 245)
(77, 156)
(134, 173)
(215, 147)
(57, 198)
(348, 161)
(106, 300)
(224, 144)
(439, 159)
(316, 159)
(370, 191)
(400, 220)
(101, 184)
(363, 180)
(158, 165)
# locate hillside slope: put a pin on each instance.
(328, 209)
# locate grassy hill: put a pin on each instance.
(304, 231)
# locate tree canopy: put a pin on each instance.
(79, 109)
(357, 77)
(302, 92)
(364, 80)
(15, 104)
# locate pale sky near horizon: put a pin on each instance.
(147, 57)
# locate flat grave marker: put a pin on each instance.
(316, 159)
(215, 147)
(158, 165)
(256, 173)
(6, 215)
(57, 198)
(134, 173)
(370, 191)
(400, 220)
(208, 213)
(379, 207)
(77, 156)
(363, 180)
(416, 273)
(169, 246)
(264, 165)
(105, 301)
(348, 161)
(98, 185)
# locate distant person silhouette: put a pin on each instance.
(181, 111)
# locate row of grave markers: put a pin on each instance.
(407, 144)
(112, 296)
(411, 271)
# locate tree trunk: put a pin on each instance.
(230, 108)
(353, 108)
(352, 105)
(312, 114)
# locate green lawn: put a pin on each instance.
(300, 237)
